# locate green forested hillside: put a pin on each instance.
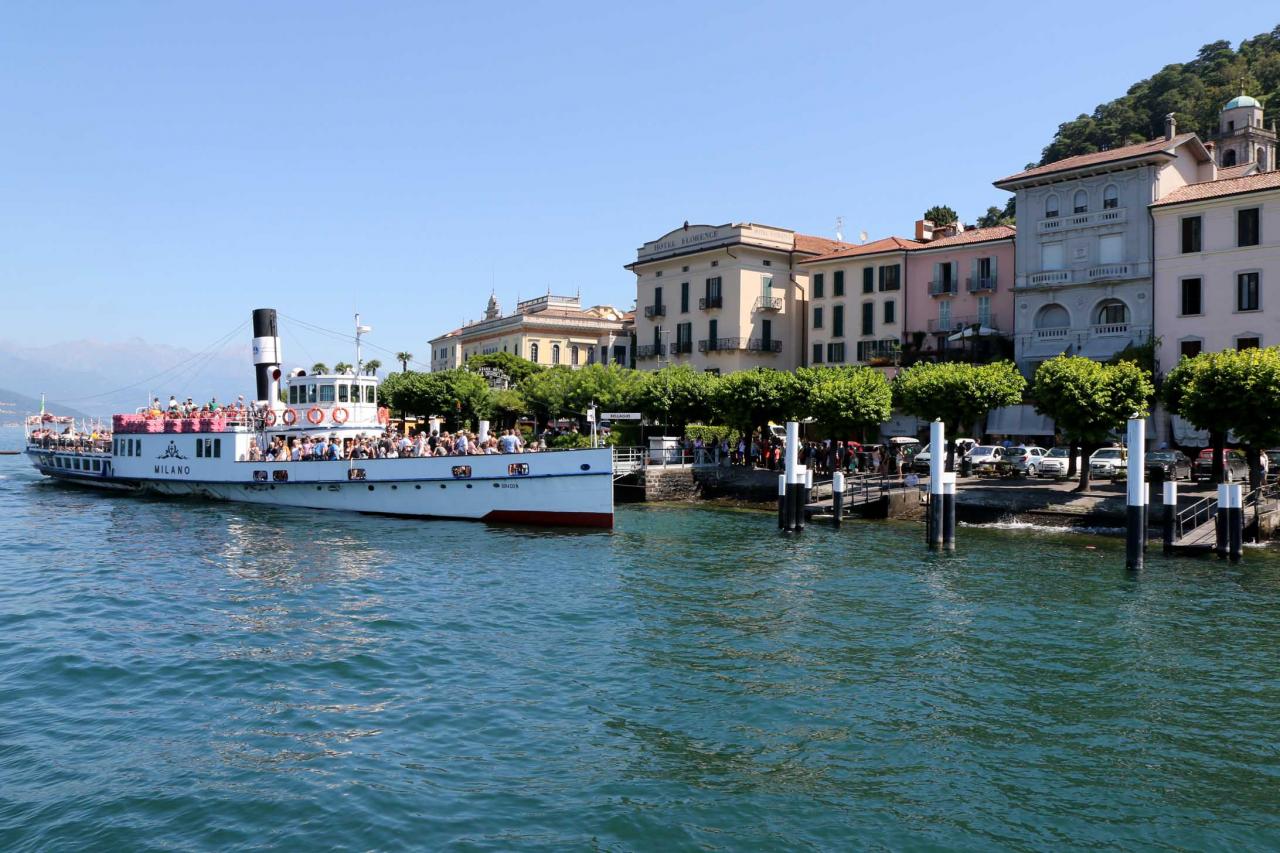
(1194, 90)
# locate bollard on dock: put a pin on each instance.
(1170, 501)
(1220, 522)
(802, 496)
(837, 498)
(782, 501)
(790, 464)
(1235, 522)
(1136, 531)
(937, 462)
(949, 511)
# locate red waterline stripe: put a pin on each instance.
(566, 519)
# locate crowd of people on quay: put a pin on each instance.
(823, 457)
(391, 444)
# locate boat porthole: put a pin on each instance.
(319, 488)
(371, 488)
(585, 467)
(468, 485)
(496, 486)
(442, 485)
(273, 488)
(418, 486)
(393, 488)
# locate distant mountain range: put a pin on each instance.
(15, 407)
(100, 379)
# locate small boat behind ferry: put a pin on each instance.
(223, 455)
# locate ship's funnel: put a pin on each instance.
(266, 356)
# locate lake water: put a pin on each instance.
(185, 675)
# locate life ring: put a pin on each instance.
(315, 415)
(339, 415)
(290, 417)
(384, 416)
(270, 419)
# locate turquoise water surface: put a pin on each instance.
(193, 676)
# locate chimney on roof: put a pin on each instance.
(924, 230)
(1170, 126)
(1212, 150)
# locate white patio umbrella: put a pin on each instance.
(970, 331)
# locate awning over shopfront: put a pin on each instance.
(1018, 420)
(901, 424)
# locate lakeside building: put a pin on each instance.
(1217, 267)
(1083, 251)
(959, 293)
(857, 303)
(723, 298)
(547, 330)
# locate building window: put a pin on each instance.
(1192, 301)
(1191, 234)
(684, 337)
(766, 333)
(533, 353)
(1053, 316)
(715, 263)
(1247, 291)
(1051, 206)
(889, 311)
(684, 269)
(835, 352)
(1190, 349)
(837, 321)
(1112, 312)
(1247, 231)
(817, 317)
(868, 318)
(817, 285)
(684, 297)
(658, 274)
(837, 287)
(555, 353)
(657, 299)
(984, 310)
(1080, 202)
(817, 353)
(1052, 256)
(891, 277)
(573, 355)
(1110, 197)
(1248, 343)
(868, 280)
(768, 263)
(1229, 156)
(944, 316)
(1111, 248)
(713, 330)
(713, 294)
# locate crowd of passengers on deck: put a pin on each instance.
(389, 445)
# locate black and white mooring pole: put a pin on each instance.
(1136, 530)
(807, 494)
(266, 356)
(1235, 521)
(782, 501)
(1170, 501)
(937, 467)
(1220, 522)
(791, 468)
(949, 511)
(837, 498)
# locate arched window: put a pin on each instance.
(1051, 206)
(555, 353)
(573, 355)
(1262, 159)
(1080, 202)
(1053, 316)
(1111, 312)
(1229, 157)
(1110, 197)
(533, 353)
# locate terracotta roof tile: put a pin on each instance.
(973, 235)
(1236, 171)
(819, 245)
(1222, 187)
(1153, 146)
(885, 244)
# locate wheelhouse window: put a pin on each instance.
(293, 395)
(371, 393)
(326, 394)
(312, 395)
(344, 393)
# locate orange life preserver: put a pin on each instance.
(315, 415)
(270, 419)
(290, 417)
(339, 415)
(383, 415)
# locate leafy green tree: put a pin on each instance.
(996, 216)
(844, 400)
(508, 405)
(750, 399)
(1090, 401)
(455, 395)
(404, 358)
(371, 367)
(958, 393)
(677, 395)
(1230, 391)
(611, 387)
(941, 214)
(319, 367)
(547, 393)
(517, 369)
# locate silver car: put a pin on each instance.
(1057, 462)
(1106, 462)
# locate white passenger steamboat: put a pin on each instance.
(218, 455)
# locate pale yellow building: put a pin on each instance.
(547, 330)
(724, 297)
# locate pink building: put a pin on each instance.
(959, 282)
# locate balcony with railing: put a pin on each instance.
(651, 311)
(1110, 271)
(1070, 222)
(944, 287)
(978, 284)
(706, 303)
(648, 351)
(768, 303)
(1042, 279)
(958, 324)
(1109, 329)
(735, 344)
(681, 347)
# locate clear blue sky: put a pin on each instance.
(170, 166)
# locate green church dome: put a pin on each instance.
(1242, 101)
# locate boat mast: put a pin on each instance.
(360, 330)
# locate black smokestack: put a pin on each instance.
(266, 354)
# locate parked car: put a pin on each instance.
(920, 462)
(1057, 462)
(1170, 464)
(1025, 458)
(1235, 466)
(1273, 464)
(1105, 463)
(985, 455)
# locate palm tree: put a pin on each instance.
(404, 358)
(342, 367)
(371, 367)
(319, 367)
